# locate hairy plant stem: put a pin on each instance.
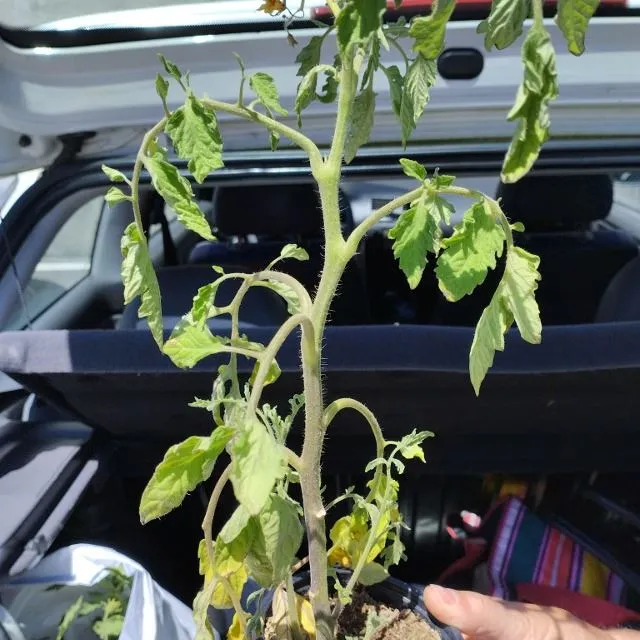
(336, 257)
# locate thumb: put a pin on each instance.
(483, 618)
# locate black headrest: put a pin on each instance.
(555, 203)
(272, 210)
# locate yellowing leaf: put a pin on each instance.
(139, 279)
(514, 299)
(236, 631)
(183, 468)
(273, 6)
(235, 581)
(504, 24)
(177, 193)
(429, 32)
(538, 89)
(573, 19)
(418, 232)
(470, 252)
(256, 464)
(194, 131)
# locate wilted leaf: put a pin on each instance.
(177, 193)
(184, 467)
(514, 299)
(504, 24)
(139, 279)
(573, 19)
(429, 32)
(195, 134)
(471, 251)
(361, 125)
(539, 88)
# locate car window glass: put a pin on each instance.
(64, 264)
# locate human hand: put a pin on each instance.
(481, 617)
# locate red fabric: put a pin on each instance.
(592, 610)
(473, 550)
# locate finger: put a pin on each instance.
(483, 618)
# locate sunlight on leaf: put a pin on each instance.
(194, 132)
(573, 19)
(139, 279)
(504, 24)
(538, 89)
(184, 467)
(469, 253)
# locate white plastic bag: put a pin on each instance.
(152, 613)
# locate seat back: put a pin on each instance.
(254, 223)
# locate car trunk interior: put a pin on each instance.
(561, 415)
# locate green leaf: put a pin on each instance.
(203, 307)
(329, 91)
(362, 116)
(162, 89)
(115, 196)
(429, 32)
(235, 525)
(190, 343)
(272, 374)
(256, 463)
(309, 56)
(139, 279)
(417, 232)
(372, 573)
(504, 24)
(413, 169)
(358, 20)
(285, 292)
(177, 193)
(415, 96)
(293, 252)
(394, 553)
(184, 467)
(70, 616)
(396, 87)
(265, 88)
(307, 88)
(373, 64)
(409, 446)
(471, 251)
(194, 132)
(514, 299)
(277, 542)
(538, 89)
(113, 174)
(573, 19)
(171, 68)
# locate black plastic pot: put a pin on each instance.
(393, 593)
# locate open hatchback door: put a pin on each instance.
(84, 82)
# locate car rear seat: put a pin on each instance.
(578, 259)
(277, 215)
(261, 307)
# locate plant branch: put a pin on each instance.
(152, 134)
(270, 353)
(207, 523)
(538, 13)
(358, 234)
(298, 138)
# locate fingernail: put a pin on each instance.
(446, 596)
